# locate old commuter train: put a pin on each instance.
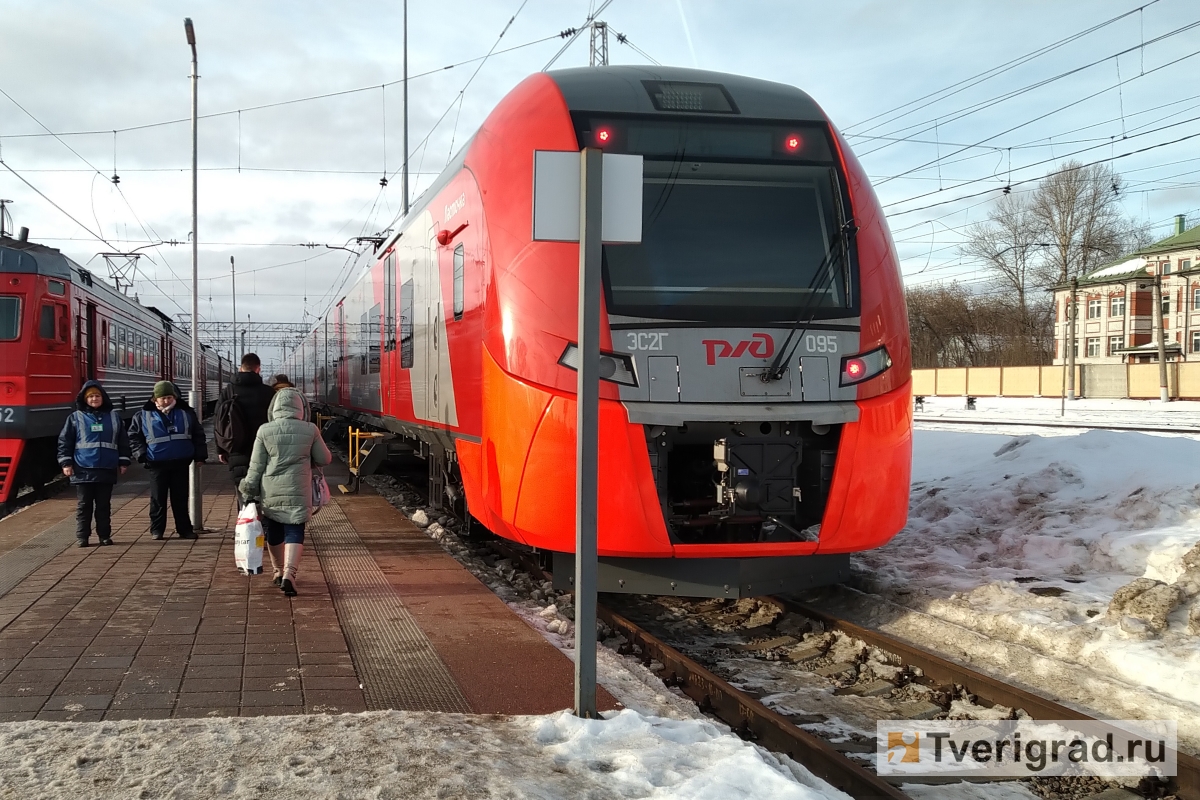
(60, 326)
(755, 413)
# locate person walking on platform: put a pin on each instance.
(93, 451)
(282, 381)
(167, 437)
(240, 412)
(280, 477)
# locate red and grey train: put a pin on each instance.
(60, 326)
(755, 413)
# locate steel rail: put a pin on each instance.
(1079, 425)
(941, 670)
(748, 717)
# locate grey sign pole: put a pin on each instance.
(587, 430)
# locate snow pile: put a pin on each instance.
(393, 754)
(1027, 540)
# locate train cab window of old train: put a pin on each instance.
(459, 262)
(10, 318)
(406, 325)
(57, 288)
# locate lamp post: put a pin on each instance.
(233, 294)
(195, 508)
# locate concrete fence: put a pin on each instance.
(1138, 381)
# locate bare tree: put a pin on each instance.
(1078, 211)
(1007, 243)
(949, 326)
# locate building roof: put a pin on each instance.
(1134, 265)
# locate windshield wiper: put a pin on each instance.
(838, 252)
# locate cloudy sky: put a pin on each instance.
(274, 179)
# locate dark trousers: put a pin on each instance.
(236, 473)
(97, 498)
(282, 532)
(170, 478)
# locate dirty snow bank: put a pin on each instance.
(1026, 539)
(393, 754)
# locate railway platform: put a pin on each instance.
(147, 629)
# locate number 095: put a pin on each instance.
(818, 343)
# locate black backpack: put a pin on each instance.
(229, 427)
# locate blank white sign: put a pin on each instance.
(556, 197)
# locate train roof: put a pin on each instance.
(671, 91)
(18, 255)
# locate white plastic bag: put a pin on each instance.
(320, 491)
(248, 541)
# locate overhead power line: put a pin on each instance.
(968, 83)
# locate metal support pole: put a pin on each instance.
(1160, 333)
(195, 506)
(233, 294)
(587, 430)
(404, 138)
(1072, 312)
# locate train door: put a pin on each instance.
(433, 313)
(423, 252)
(85, 325)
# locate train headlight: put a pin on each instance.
(614, 367)
(856, 369)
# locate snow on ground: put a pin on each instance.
(1024, 539)
(1048, 409)
(393, 754)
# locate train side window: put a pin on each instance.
(459, 259)
(373, 342)
(389, 302)
(10, 318)
(406, 325)
(110, 339)
(46, 328)
(120, 345)
(363, 329)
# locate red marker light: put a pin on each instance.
(855, 367)
(792, 143)
(604, 136)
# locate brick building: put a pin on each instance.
(1115, 312)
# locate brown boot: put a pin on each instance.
(291, 564)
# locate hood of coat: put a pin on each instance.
(287, 404)
(83, 406)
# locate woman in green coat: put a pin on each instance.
(280, 478)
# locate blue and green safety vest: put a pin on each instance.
(168, 436)
(96, 439)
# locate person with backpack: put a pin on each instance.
(280, 476)
(93, 451)
(167, 437)
(240, 412)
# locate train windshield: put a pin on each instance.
(10, 318)
(735, 227)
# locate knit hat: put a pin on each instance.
(92, 390)
(164, 389)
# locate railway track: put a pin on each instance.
(753, 720)
(1182, 429)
